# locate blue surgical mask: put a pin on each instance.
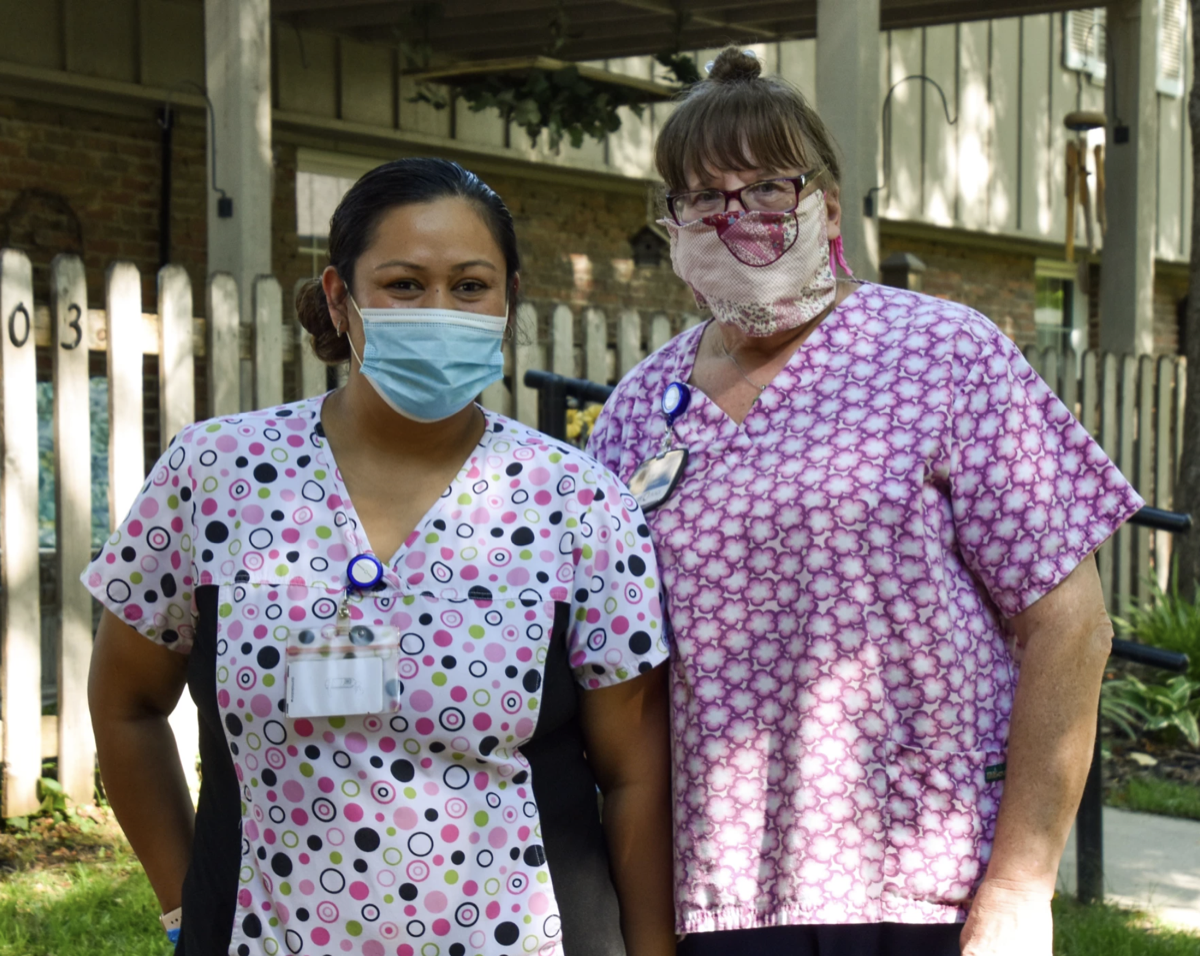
(428, 364)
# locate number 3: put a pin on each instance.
(76, 314)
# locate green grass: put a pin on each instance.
(106, 908)
(1100, 930)
(1151, 795)
(102, 908)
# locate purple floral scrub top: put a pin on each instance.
(463, 822)
(839, 570)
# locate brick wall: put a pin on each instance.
(90, 183)
(574, 243)
(1000, 285)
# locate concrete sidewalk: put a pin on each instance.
(1150, 862)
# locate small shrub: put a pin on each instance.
(1167, 708)
(1166, 620)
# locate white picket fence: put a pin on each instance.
(1133, 406)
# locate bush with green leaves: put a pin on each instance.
(1171, 709)
(1167, 620)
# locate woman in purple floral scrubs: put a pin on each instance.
(418, 635)
(888, 624)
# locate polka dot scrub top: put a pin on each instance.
(840, 570)
(463, 822)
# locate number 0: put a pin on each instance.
(12, 326)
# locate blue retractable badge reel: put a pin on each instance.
(364, 571)
(655, 480)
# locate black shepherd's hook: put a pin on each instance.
(869, 198)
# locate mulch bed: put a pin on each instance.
(47, 843)
(1180, 764)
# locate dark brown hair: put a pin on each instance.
(402, 182)
(738, 119)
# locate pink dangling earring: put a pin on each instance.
(837, 257)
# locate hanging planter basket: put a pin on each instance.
(540, 93)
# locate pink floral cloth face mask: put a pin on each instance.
(763, 272)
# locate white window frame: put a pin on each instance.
(1172, 85)
(1083, 61)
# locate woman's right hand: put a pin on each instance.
(133, 686)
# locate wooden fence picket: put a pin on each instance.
(224, 362)
(311, 371)
(1164, 485)
(126, 448)
(525, 399)
(176, 353)
(268, 342)
(20, 604)
(595, 345)
(629, 341)
(73, 525)
(562, 341)
(1144, 479)
(660, 332)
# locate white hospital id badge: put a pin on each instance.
(335, 687)
(655, 480)
(340, 670)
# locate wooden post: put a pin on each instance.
(525, 399)
(268, 342)
(224, 362)
(176, 353)
(629, 341)
(562, 341)
(312, 370)
(73, 525)
(1164, 475)
(126, 451)
(21, 658)
(596, 346)
(177, 409)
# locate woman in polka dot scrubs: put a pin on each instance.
(884, 512)
(456, 813)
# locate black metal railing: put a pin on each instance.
(553, 393)
(1089, 820)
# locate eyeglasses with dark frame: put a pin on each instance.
(779, 194)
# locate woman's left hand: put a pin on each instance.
(1008, 919)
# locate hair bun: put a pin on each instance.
(733, 65)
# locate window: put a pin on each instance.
(1172, 33)
(1053, 312)
(317, 196)
(1085, 42)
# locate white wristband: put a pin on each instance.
(172, 920)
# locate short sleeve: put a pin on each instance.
(1032, 492)
(617, 626)
(145, 573)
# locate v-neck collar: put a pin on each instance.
(345, 516)
(685, 364)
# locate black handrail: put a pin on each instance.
(553, 392)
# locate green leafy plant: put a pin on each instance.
(1168, 620)
(1166, 708)
(559, 101)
